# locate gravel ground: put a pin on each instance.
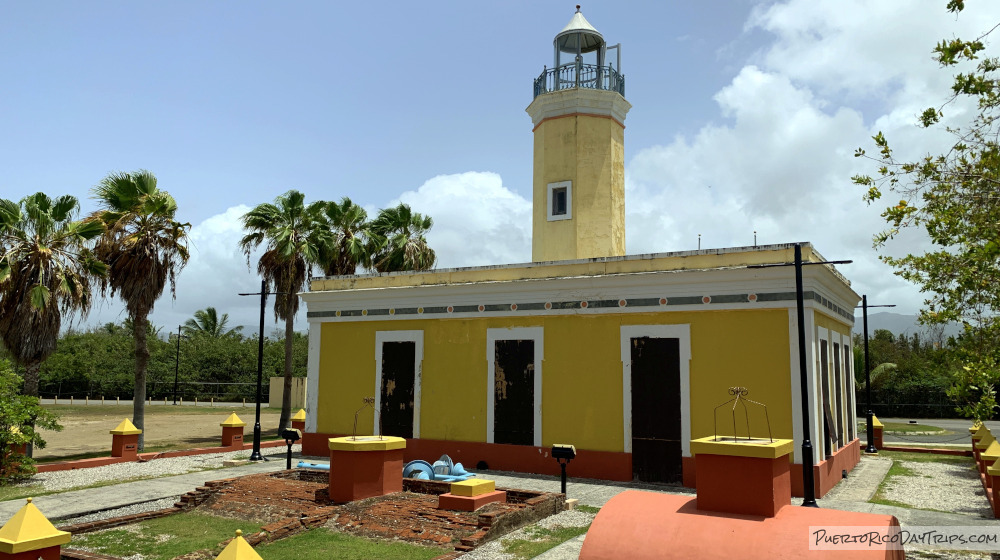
(940, 486)
(59, 481)
(493, 550)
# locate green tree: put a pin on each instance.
(20, 418)
(352, 245)
(955, 198)
(46, 268)
(293, 235)
(207, 322)
(399, 241)
(145, 248)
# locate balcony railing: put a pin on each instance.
(573, 75)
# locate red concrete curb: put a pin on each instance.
(143, 457)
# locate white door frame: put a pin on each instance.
(683, 334)
(535, 334)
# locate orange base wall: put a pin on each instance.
(602, 465)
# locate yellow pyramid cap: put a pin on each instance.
(29, 530)
(238, 549)
(233, 421)
(991, 453)
(876, 423)
(985, 441)
(126, 428)
(300, 416)
(993, 469)
(981, 431)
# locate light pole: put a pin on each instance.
(868, 377)
(808, 481)
(255, 455)
(177, 361)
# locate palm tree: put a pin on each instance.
(207, 322)
(399, 242)
(352, 239)
(145, 248)
(45, 270)
(293, 234)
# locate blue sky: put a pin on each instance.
(745, 116)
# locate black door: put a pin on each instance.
(514, 392)
(656, 409)
(839, 392)
(397, 388)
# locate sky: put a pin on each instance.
(745, 118)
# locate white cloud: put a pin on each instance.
(477, 221)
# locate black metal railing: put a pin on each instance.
(574, 75)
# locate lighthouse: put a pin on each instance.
(578, 117)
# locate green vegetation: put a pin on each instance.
(20, 418)
(952, 197)
(165, 537)
(45, 270)
(539, 540)
(323, 543)
(917, 383)
(588, 509)
(99, 362)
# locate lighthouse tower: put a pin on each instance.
(578, 115)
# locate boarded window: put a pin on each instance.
(839, 388)
(514, 392)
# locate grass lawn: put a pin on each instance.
(898, 469)
(539, 540)
(164, 538)
(905, 428)
(324, 543)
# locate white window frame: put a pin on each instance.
(418, 358)
(535, 334)
(568, 185)
(683, 334)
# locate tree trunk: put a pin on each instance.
(31, 375)
(141, 362)
(286, 395)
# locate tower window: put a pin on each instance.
(560, 201)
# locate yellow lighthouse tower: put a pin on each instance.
(578, 115)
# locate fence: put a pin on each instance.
(157, 390)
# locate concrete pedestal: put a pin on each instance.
(232, 431)
(299, 421)
(125, 440)
(365, 467)
(745, 477)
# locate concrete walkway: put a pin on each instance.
(850, 495)
(76, 503)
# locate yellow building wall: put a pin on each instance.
(581, 373)
(588, 150)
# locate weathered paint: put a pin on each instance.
(588, 151)
(582, 380)
(683, 260)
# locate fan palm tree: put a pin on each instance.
(399, 242)
(293, 235)
(145, 248)
(352, 239)
(207, 322)
(46, 269)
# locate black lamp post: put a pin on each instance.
(255, 455)
(868, 377)
(808, 481)
(177, 361)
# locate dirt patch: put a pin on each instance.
(86, 429)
